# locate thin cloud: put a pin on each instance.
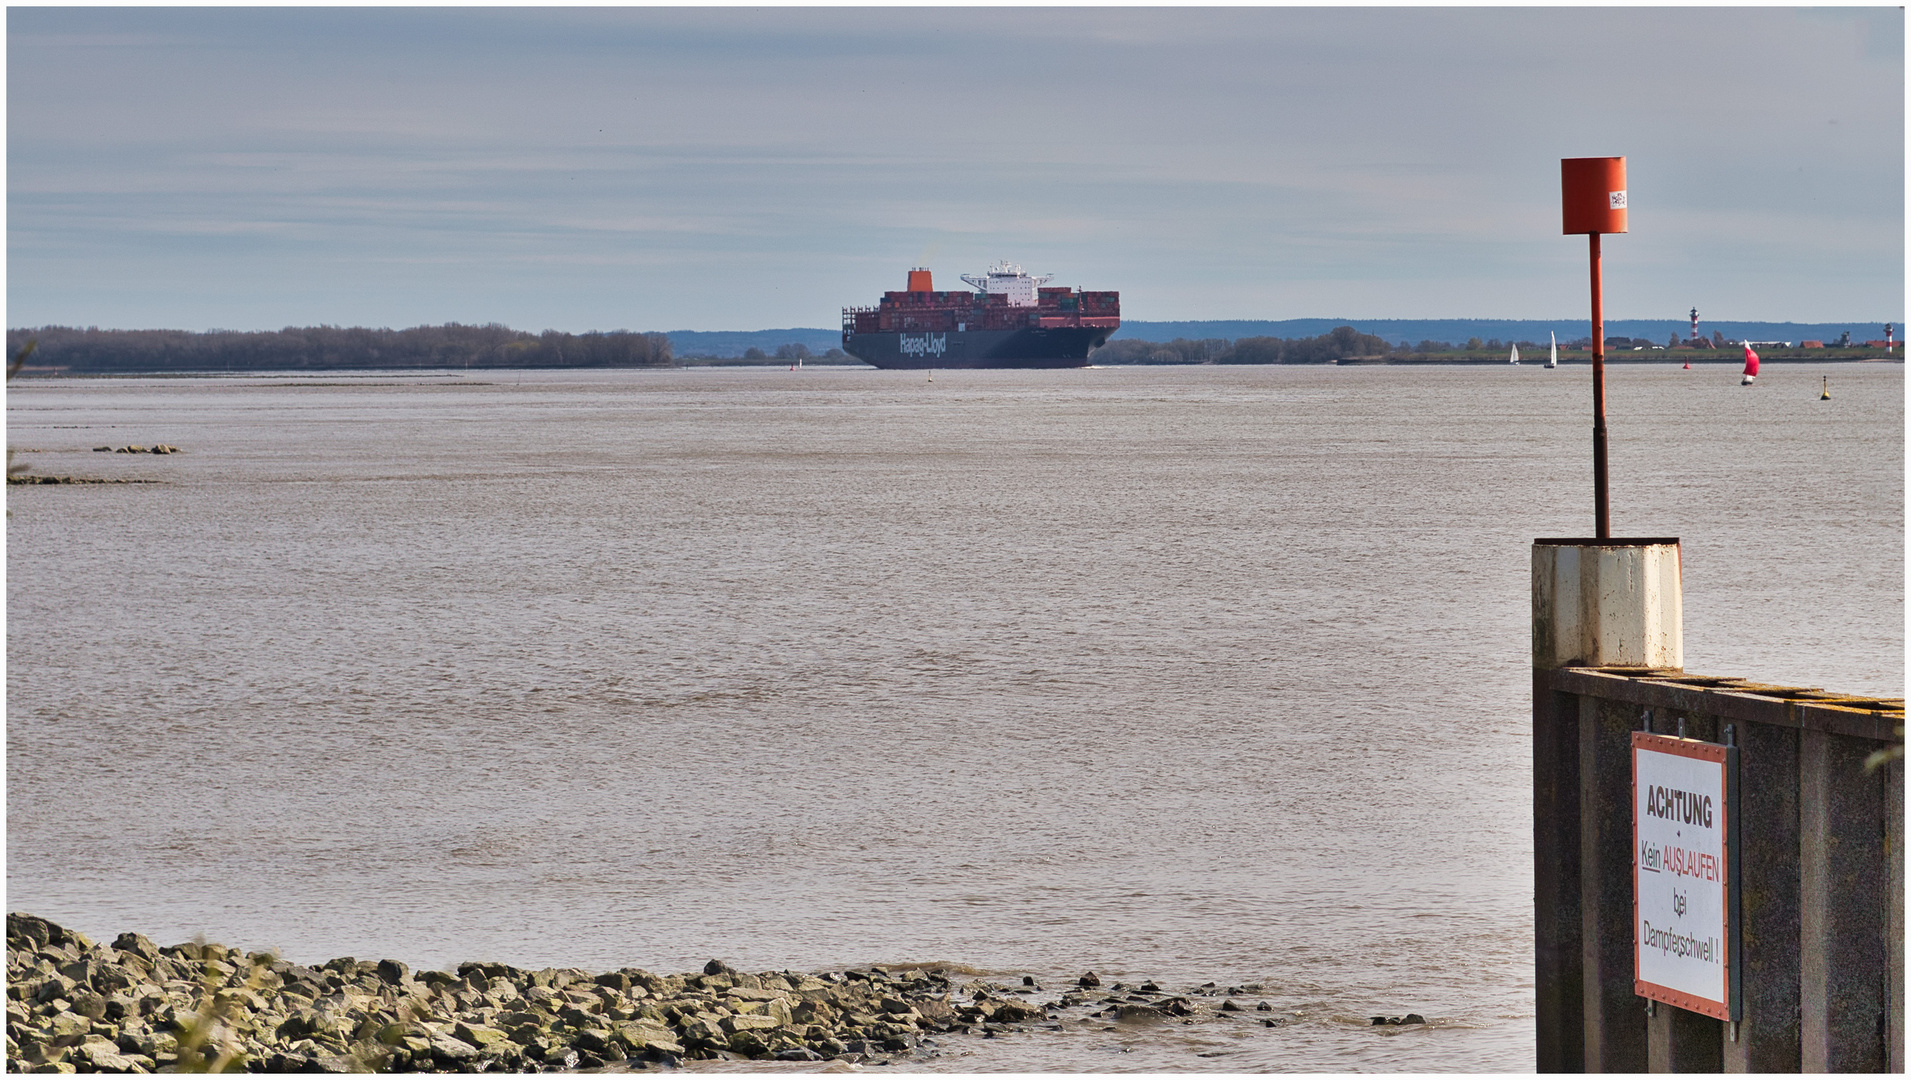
(765, 167)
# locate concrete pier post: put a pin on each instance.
(1558, 971)
(1818, 854)
(1768, 902)
(1844, 882)
(1615, 1018)
(1607, 603)
(1678, 1041)
(1596, 603)
(1894, 916)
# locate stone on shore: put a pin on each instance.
(133, 1006)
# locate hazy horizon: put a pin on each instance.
(1613, 324)
(253, 168)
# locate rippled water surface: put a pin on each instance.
(1185, 673)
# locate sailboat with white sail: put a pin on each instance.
(1552, 359)
(1515, 361)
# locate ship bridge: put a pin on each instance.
(1007, 279)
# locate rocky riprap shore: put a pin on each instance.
(77, 1006)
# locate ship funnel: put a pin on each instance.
(919, 281)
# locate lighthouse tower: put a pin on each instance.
(1695, 324)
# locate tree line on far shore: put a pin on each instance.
(1340, 343)
(793, 351)
(453, 345)
(457, 345)
(1345, 343)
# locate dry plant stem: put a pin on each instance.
(210, 1021)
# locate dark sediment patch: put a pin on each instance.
(37, 479)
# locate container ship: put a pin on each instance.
(1011, 321)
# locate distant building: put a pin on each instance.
(1811, 344)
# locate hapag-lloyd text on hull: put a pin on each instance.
(923, 344)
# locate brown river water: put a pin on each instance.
(1180, 673)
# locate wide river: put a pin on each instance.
(1213, 673)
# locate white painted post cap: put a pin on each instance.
(1607, 603)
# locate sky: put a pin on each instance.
(737, 169)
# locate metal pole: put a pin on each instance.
(1602, 513)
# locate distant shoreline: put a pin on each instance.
(493, 346)
(1725, 360)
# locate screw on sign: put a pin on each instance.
(1684, 874)
(1593, 201)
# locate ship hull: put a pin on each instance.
(1031, 347)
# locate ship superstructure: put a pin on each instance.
(1014, 320)
(1007, 279)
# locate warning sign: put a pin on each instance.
(1684, 888)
